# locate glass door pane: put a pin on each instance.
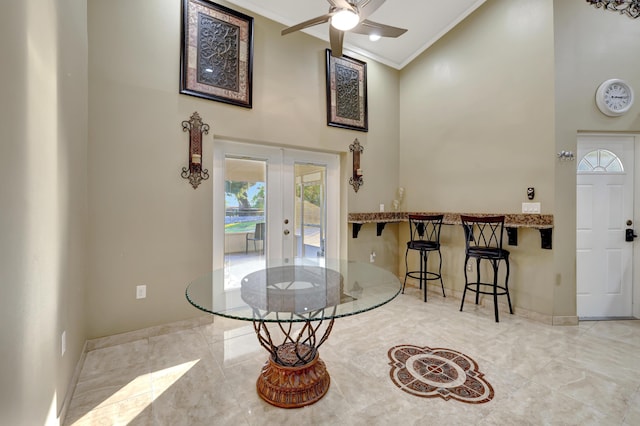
(310, 210)
(245, 231)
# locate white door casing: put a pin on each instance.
(279, 196)
(604, 205)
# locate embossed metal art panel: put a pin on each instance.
(217, 53)
(346, 93)
(631, 8)
(218, 59)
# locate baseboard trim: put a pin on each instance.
(62, 415)
(145, 333)
(565, 320)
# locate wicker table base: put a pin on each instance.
(293, 387)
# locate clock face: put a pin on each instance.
(617, 97)
(614, 97)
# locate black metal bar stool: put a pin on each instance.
(483, 240)
(425, 238)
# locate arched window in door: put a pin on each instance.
(600, 161)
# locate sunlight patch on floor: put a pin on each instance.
(132, 389)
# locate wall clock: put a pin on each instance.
(614, 97)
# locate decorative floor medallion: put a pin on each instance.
(438, 372)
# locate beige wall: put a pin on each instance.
(477, 129)
(479, 120)
(148, 226)
(591, 46)
(43, 175)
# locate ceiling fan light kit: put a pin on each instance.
(344, 20)
(349, 15)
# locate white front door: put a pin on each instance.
(272, 203)
(604, 206)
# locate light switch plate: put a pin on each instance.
(531, 208)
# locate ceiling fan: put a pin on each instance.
(349, 15)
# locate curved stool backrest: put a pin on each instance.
(483, 232)
(425, 227)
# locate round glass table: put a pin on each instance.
(293, 306)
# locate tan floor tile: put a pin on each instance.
(541, 374)
(632, 416)
(133, 411)
(535, 404)
(589, 387)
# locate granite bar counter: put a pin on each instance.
(541, 222)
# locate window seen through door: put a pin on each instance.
(600, 161)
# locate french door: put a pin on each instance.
(272, 203)
(605, 213)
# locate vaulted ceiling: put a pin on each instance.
(426, 21)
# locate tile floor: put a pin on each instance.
(541, 375)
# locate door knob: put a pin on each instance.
(629, 222)
(286, 232)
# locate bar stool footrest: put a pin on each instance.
(428, 275)
(502, 290)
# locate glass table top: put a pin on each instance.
(300, 290)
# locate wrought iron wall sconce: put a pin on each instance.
(356, 180)
(196, 128)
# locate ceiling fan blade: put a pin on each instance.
(367, 7)
(369, 27)
(335, 37)
(308, 23)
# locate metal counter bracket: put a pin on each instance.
(512, 233)
(357, 226)
(545, 236)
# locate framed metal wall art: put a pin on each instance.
(347, 93)
(216, 60)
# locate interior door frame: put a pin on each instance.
(278, 161)
(635, 280)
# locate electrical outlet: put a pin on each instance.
(531, 208)
(372, 257)
(63, 343)
(141, 292)
(469, 267)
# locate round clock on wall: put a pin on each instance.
(614, 97)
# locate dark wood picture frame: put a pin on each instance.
(347, 93)
(216, 54)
